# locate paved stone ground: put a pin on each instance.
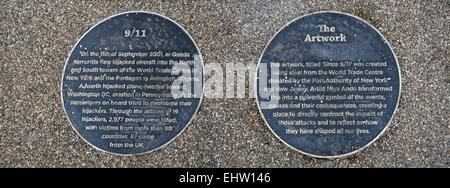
(36, 37)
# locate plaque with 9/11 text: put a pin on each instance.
(132, 83)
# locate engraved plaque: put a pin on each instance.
(328, 84)
(132, 83)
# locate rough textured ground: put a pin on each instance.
(36, 37)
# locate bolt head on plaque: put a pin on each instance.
(132, 83)
(328, 84)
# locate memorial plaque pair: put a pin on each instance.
(327, 84)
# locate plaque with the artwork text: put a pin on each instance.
(328, 84)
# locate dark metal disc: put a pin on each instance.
(328, 84)
(118, 82)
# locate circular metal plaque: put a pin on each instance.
(132, 83)
(328, 84)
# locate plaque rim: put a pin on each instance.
(379, 134)
(76, 44)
